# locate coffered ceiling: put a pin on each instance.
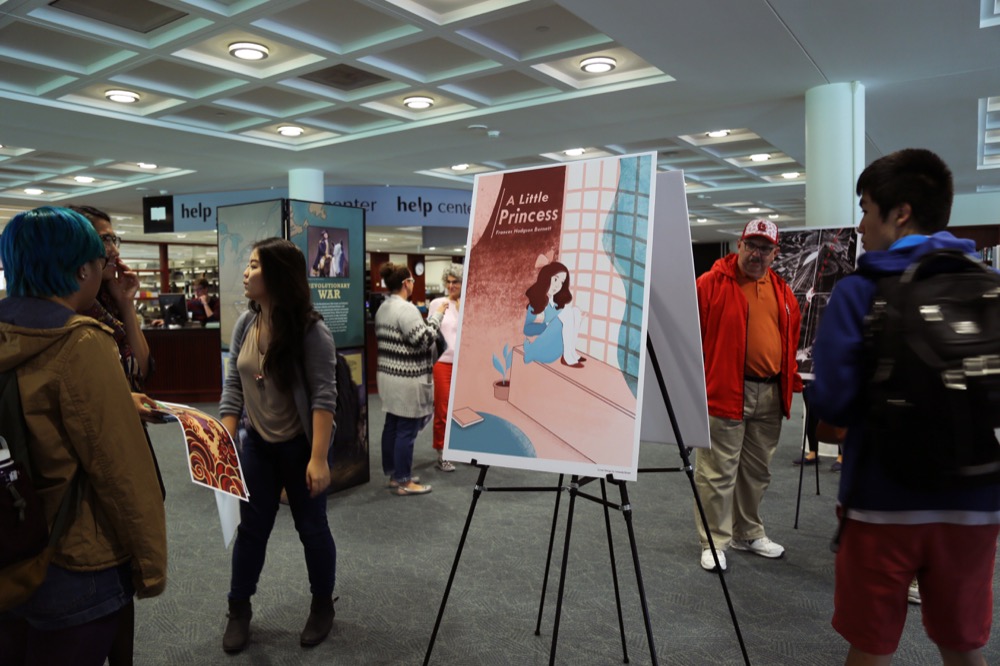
(507, 91)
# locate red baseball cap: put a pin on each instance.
(763, 228)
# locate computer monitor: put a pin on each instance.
(173, 309)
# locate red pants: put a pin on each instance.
(442, 389)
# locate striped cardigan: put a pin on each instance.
(405, 357)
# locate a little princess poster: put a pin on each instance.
(551, 350)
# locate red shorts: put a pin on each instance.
(953, 564)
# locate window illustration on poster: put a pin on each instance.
(339, 298)
(332, 239)
(551, 349)
(812, 261)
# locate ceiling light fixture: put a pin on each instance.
(460, 167)
(290, 130)
(790, 175)
(418, 102)
(717, 134)
(598, 64)
(83, 179)
(773, 216)
(753, 209)
(760, 157)
(248, 51)
(146, 165)
(702, 220)
(33, 191)
(574, 152)
(122, 96)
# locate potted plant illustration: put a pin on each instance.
(501, 388)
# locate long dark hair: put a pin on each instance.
(538, 293)
(283, 268)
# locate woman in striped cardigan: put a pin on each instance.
(405, 376)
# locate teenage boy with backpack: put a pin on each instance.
(895, 531)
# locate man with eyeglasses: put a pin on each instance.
(749, 333)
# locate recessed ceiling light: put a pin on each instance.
(83, 179)
(33, 191)
(459, 167)
(717, 134)
(290, 130)
(702, 220)
(122, 96)
(753, 209)
(574, 152)
(146, 165)
(598, 64)
(419, 102)
(459, 249)
(432, 248)
(248, 51)
(760, 157)
(182, 235)
(773, 216)
(791, 174)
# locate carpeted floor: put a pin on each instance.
(395, 553)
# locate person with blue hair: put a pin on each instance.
(80, 419)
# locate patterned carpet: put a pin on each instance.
(395, 553)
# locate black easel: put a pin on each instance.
(802, 460)
(687, 468)
(625, 507)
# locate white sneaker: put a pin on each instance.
(762, 546)
(913, 593)
(708, 562)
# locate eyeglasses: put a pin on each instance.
(452, 282)
(111, 239)
(760, 249)
(104, 262)
(409, 279)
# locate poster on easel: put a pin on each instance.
(812, 261)
(551, 349)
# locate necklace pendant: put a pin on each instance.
(259, 378)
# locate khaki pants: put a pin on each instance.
(732, 476)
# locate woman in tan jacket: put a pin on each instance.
(81, 420)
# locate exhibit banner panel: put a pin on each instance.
(552, 344)
(240, 226)
(812, 261)
(332, 238)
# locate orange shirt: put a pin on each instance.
(763, 338)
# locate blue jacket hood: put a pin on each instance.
(890, 262)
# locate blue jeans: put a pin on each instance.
(267, 469)
(398, 436)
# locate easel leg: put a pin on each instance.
(573, 489)
(614, 573)
(477, 491)
(715, 554)
(802, 467)
(548, 558)
(627, 512)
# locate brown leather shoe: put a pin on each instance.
(320, 622)
(238, 627)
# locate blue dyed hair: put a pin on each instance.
(42, 249)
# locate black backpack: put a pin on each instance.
(26, 545)
(933, 346)
(345, 437)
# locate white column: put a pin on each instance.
(835, 153)
(305, 185)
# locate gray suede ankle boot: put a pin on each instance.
(238, 627)
(321, 614)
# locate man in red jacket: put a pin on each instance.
(749, 333)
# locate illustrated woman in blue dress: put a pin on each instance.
(554, 326)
